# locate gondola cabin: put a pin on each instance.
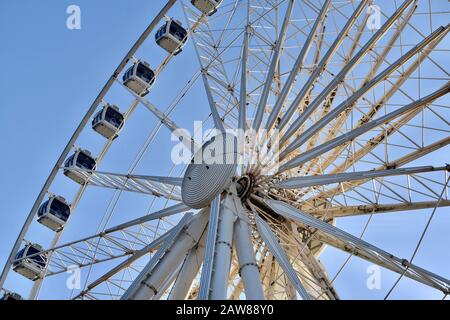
(10, 296)
(108, 122)
(54, 213)
(171, 36)
(208, 7)
(81, 159)
(29, 262)
(139, 78)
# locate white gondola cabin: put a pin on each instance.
(29, 262)
(171, 36)
(108, 121)
(208, 7)
(54, 213)
(11, 296)
(139, 78)
(81, 159)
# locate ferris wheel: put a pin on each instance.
(321, 110)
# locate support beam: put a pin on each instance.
(188, 141)
(169, 211)
(222, 252)
(321, 66)
(189, 271)
(168, 258)
(279, 254)
(242, 121)
(272, 69)
(319, 180)
(218, 123)
(247, 262)
(437, 35)
(317, 271)
(139, 254)
(344, 72)
(207, 270)
(395, 87)
(298, 65)
(366, 249)
(416, 154)
(351, 211)
(168, 187)
(321, 149)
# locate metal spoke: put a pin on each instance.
(435, 36)
(362, 129)
(350, 211)
(297, 67)
(167, 187)
(152, 279)
(205, 280)
(322, 64)
(248, 267)
(280, 255)
(303, 182)
(361, 247)
(272, 68)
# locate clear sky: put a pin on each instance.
(51, 75)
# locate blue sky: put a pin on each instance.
(51, 75)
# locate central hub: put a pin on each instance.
(210, 171)
(244, 186)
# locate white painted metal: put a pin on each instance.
(364, 128)
(207, 270)
(303, 182)
(189, 271)
(261, 109)
(322, 64)
(150, 248)
(153, 277)
(275, 248)
(437, 35)
(382, 257)
(297, 67)
(348, 67)
(222, 252)
(171, 125)
(248, 267)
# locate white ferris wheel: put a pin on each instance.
(340, 111)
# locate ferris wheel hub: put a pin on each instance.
(210, 171)
(245, 185)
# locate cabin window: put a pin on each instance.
(113, 117)
(60, 209)
(85, 162)
(177, 31)
(144, 73)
